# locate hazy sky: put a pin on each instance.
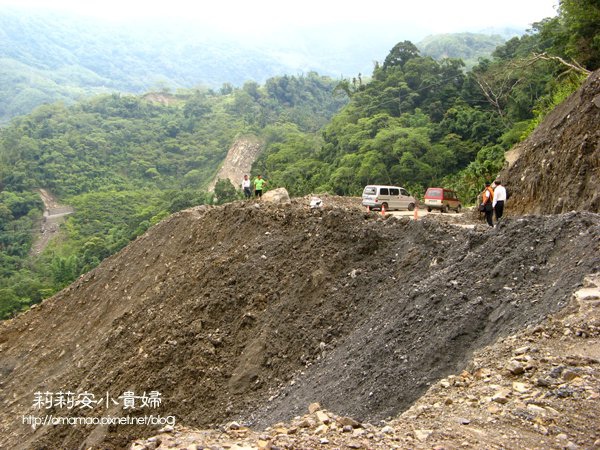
(435, 16)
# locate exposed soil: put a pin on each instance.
(238, 161)
(54, 215)
(558, 165)
(251, 312)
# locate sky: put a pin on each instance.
(257, 16)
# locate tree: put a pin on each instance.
(225, 191)
(400, 54)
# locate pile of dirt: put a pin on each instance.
(537, 389)
(250, 312)
(558, 167)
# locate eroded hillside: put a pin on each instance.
(252, 311)
(558, 169)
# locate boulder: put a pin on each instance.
(277, 196)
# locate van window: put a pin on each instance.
(394, 191)
(434, 193)
(404, 192)
(370, 190)
(383, 191)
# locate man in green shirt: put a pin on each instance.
(258, 186)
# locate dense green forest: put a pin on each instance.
(419, 121)
(125, 162)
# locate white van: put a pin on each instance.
(390, 197)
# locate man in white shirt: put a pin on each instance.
(246, 186)
(499, 199)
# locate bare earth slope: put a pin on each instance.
(252, 311)
(558, 169)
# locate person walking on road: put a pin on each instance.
(499, 199)
(487, 201)
(259, 183)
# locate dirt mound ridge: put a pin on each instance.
(558, 169)
(252, 312)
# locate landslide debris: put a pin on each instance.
(250, 312)
(536, 389)
(558, 168)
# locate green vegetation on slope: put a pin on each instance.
(124, 163)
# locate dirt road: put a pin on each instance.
(54, 215)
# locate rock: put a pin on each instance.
(520, 387)
(501, 397)
(423, 435)
(322, 417)
(521, 350)
(348, 421)
(537, 410)
(324, 441)
(515, 367)
(233, 426)
(321, 429)
(569, 375)
(387, 430)
(167, 429)
(278, 196)
(314, 407)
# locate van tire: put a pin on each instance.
(444, 209)
(411, 206)
(458, 208)
(428, 209)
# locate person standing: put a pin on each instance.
(499, 199)
(259, 183)
(246, 187)
(487, 201)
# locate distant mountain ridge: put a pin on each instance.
(47, 57)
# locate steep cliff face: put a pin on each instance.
(558, 168)
(238, 161)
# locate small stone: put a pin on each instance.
(448, 401)
(422, 435)
(520, 387)
(323, 417)
(569, 375)
(345, 421)
(538, 410)
(166, 429)
(314, 407)
(562, 437)
(387, 430)
(463, 421)
(324, 441)
(307, 423)
(501, 397)
(521, 350)
(515, 367)
(233, 426)
(354, 445)
(322, 429)
(571, 446)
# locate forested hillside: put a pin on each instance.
(420, 122)
(467, 46)
(125, 162)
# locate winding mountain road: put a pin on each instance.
(54, 215)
